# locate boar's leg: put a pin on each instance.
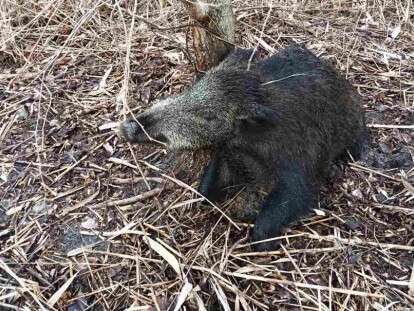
(212, 184)
(293, 196)
(360, 146)
(225, 175)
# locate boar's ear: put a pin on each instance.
(238, 58)
(264, 115)
(258, 118)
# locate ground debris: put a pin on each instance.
(90, 222)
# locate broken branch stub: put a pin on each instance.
(213, 36)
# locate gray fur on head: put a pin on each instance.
(207, 114)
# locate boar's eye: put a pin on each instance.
(209, 116)
(162, 138)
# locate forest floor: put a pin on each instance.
(88, 222)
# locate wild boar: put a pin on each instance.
(278, 123)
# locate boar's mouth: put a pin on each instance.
(134, 132)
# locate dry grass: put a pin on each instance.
(86, 220)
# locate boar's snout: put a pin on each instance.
(132, 131)
(147, 130)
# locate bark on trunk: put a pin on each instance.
(214, 37)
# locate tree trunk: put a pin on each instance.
(213, 38)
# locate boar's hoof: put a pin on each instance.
(260, 234)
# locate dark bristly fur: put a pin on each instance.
(278, 125)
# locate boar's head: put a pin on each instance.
(208, 114)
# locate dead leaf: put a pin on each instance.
(182, 296)
(165, 254)
(89, 223)
(56, 296)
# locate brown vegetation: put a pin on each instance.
(86, 219)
